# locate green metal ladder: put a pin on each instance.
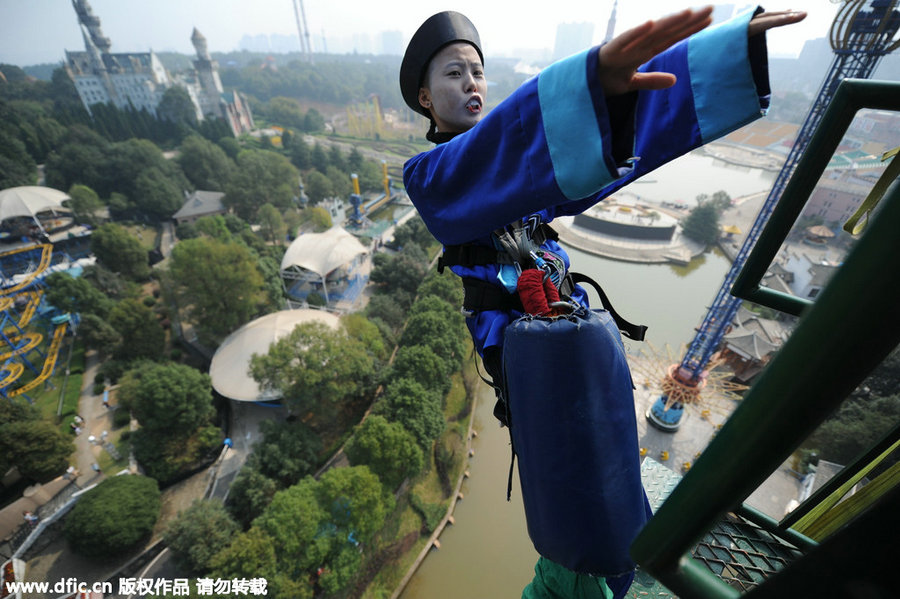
(842, 336)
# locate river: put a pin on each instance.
(487, 554)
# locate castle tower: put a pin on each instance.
(90, 21)
(210, 93)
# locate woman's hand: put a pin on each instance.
(767, 20)
(621, 57)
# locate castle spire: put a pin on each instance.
(89, 20)
(200, 45)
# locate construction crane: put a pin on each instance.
(863, 32)
(303, 30)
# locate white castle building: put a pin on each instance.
(140, 79)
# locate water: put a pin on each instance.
(487, 553)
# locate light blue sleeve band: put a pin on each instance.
(573, 135)
(721, 79)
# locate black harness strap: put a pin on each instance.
(632, 331)
(470, 254)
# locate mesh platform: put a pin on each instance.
(737, 551)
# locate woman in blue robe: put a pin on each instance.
(563, 141)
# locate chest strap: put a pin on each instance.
(470, 254)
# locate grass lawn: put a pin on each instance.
(148, 236)
(47, 396)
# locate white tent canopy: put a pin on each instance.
(321, 253)
(29, 200)
(229, 369)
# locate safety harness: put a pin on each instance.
(519, 248)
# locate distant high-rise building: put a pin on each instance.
(392, 43)
(140, 80)
(611, 24)
(572, 38)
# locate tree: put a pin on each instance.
(388, 449)
(120, 252)
(249, 494)
(340, 182)
(400, 274)
(385, 308)
(336, 158)
(319, 158)
(38, 449)
(355, 160)
(271, 224)
(98, 334)
(319, 217)
(286, 112)
(318, 187)
(313, 121)
(142, 335)
(413, 231)
(419, 363)
(251, 555)
(315, 368)
(702, 224)
(76, 295)
(173, 400)
(261, 177)
(293, 521)
(198, 533)
(447, 288)
(439, 333)
(106, 281)
(361, 328)
(288, 451)
(176, 107)
(301, 155)
(156, 195)
(416, 408)
(205, 164)
(219, 283)
(84, 204)
(113, 517)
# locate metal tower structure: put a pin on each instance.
(303, 30)
(863, 32)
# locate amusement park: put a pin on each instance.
(318, 409)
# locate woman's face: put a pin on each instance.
(455, 88)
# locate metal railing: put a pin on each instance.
(850, 328)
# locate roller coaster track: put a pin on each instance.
(49, 364)
(46, 254)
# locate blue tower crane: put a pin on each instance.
(863, 32)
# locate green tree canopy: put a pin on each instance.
(271, 223)
(387, 448)
(286, 112)
(413, 231)
(38, 449)
(440, 332)
(113, 517)
(76, 295)
(287, 452)
(316, 368)
(448, 288)
(416, 408)
(173, 400)
(261, 177)
(419, 363)
(176, 107)
(218, 282)
(702, 224)
(156, 195)
(98, 334)
(142, 335)
(249, 494)
(119, 251)
(318, 187)
(85, 204)
(198, 533)
(205, 164)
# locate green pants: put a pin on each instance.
(552, 581)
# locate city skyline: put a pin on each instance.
(40, 31)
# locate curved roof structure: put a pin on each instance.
(321, 253)
(28, 200)
(230, 365)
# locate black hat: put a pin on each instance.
(437, 31)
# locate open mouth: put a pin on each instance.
(474, 105)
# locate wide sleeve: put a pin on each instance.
(550, 144)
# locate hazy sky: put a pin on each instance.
(36, 31)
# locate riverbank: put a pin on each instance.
(679, 250)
